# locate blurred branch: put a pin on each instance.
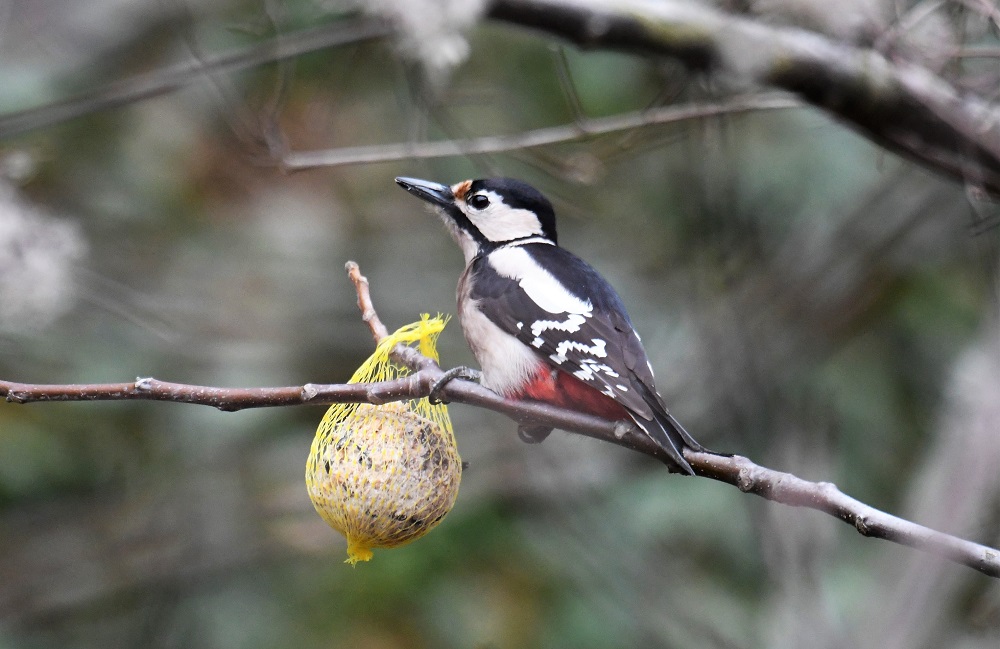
(739, 471)
(978, 52)
(160, 82)
(901, 106)
(578, 130)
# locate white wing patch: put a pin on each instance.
(607, 371)
(543, 289)
(597, 349)
(569, 325)
(590, 368)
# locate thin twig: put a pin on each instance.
(576, 130)
(767, 483)
(978, 52)
(983, 8)
(135, 89)
(907, 22)
(567, 85)
(368, 313)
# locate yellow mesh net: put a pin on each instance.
(385, 475)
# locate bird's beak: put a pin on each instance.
(434, 193)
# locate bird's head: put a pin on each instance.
(487, 213)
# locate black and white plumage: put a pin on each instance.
(542, 323)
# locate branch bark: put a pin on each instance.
(776, 486)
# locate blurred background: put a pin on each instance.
(807, 299)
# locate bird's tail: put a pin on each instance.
(668, 434)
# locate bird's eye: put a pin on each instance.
(479, 202)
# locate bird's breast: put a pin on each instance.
(507, 363)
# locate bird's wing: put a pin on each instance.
(559, 306)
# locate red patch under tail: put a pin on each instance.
(565, 390)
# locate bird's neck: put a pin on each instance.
(481, 250)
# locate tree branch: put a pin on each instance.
(225, 399)
(582, 129)
(368, 314)
(739, 471)
(899, 105)
(161, 82)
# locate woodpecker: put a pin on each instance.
(542, 323)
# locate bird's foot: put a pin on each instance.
(533, 434)
(460, 372)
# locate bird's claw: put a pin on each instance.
(533, 434)
(461, 372)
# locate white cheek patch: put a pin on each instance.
(543, 289)
(502, 223)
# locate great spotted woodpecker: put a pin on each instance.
(541, 322)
